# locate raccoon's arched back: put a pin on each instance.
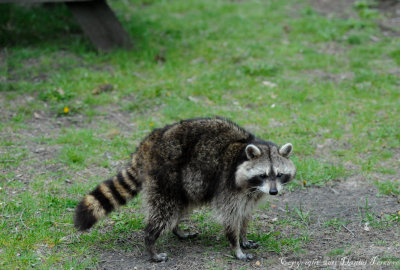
(221, 121)
(220, 125)
(236, 127)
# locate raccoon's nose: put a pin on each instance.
(273, 191)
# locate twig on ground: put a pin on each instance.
(20, 218)
(284, 210)
(59, 223)
(347, 229)
(334, 190)
(112, 261)
(121, 121)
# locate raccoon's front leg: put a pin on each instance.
(244, 243)
(233, 237)
(152, 232)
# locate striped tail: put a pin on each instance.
(106, 197)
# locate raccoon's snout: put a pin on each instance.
(273, 191)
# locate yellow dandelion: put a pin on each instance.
(66, 110)
(304, 182)
(151, 124)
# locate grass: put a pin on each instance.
(279, 68)
(388, 187)
(336, 252)
(368, 217)
(335, 223)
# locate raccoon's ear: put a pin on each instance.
(252, 151)
(286, 149)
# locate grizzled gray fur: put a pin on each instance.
(189, 164)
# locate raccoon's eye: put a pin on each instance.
(285, 178)
(279, 175)
(263, 176)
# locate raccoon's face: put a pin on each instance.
(267, 168)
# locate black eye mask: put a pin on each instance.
(257, 180)
(284, 178)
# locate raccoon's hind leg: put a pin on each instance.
(244, 243)
(158, 221)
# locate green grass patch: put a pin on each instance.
(335, 223)
(378, 220)
(335, 252)
(388, 187)
(313, 172)
(278, 243)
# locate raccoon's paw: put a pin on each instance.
(249, 244)
(187, 236)
(190, 235)
(244, 257)
(161, 257)
(182, 235)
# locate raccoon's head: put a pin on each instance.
(267, 168)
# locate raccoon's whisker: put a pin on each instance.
(253, 191)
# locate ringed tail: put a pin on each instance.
(106, 197)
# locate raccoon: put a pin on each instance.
(189, 164)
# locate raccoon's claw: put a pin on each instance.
(191, 235)
(186, 236)
(161, 257)
(245, 257)
(249, 257)
(250, 244)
